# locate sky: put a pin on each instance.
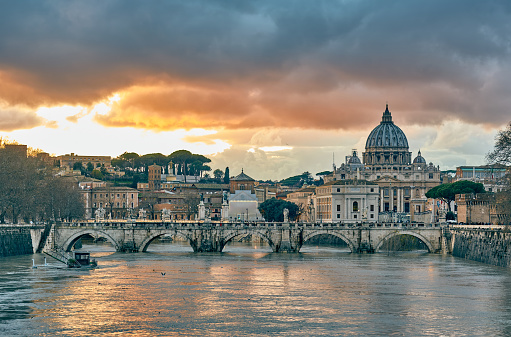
(274, 87)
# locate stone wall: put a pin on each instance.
(482, 245)
(15, 241)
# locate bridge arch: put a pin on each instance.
(232, 235)
(312, 234)
(399, 233)
(70, 242)
(147, 241)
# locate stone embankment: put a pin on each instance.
(488, 245)
(20, 239)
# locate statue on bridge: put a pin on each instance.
(286, 215)
(142, 214)
(100, 214)
(165, 214)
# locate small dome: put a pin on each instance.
(419, 159)
(386, 134)
(354, 158)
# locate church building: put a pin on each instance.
(387, 162)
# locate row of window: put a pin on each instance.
(113, 195)
(117, 205)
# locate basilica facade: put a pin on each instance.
(387, 162)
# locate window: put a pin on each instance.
(371, 208)
(118, 205)
(386, 192)
(101, 195)
(338, 208)
(355, 206)
(372, 216)
(338, 190)
(118, 195)
(431, 176)
(131, 195)
(95, 195)
(338, 216)
(124, 195)
(372, 189)
(354, 216)
(95, 205)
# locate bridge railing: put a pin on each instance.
(153, 224)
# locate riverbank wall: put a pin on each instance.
(20, 239)
(486, 245)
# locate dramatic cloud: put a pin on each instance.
(308, 77)
(19, 119)
(307, 64)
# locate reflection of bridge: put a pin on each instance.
(136, 236)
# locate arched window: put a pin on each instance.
(355, 206)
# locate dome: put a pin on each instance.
(354, 159)
(419, 159)
(386, 134)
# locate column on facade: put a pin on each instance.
(399, 202)
(347, 208)
(391, 195)
(381, 200)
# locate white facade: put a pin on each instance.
(347, 201)
(243, 206)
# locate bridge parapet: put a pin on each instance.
(213, 236)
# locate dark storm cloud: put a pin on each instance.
(434, 59)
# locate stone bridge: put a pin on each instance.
(136, 236)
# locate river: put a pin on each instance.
(249, 291)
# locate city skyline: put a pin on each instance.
(276, 88)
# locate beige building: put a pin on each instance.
(118, 202)
(347, 201)
(477, 208)
(305, 201)
(67, 161)
(403, 183)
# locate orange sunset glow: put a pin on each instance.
(278, 88)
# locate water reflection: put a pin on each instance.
(247, 290)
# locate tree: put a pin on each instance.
(447, 192)
(78, 166)
(90, 167)
(218, 174)
(182, 158)
(273, 210)
(96, 174)
(226, 176)
(501, 154)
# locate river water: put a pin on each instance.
(249, 291)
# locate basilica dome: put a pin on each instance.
(419, 159)
(386, 134)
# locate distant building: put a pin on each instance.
(387, 162)
(304, 198)
(16, 149)
(117, 201)
(243, 203)
(477, 208)
(347, 201)
(493, 177)
(154, 177)
(67, 161)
